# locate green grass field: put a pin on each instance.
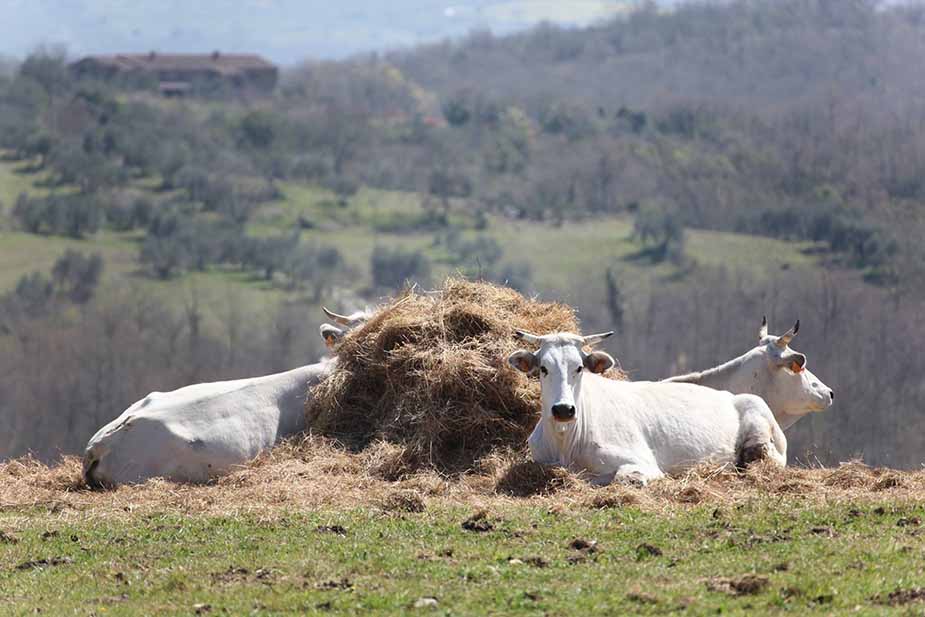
(766, 556)
(15, 180)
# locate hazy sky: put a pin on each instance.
(284, 30)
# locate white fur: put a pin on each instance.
(199, 432)
(639, 431)
(765, 371)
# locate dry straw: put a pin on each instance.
(429, 372)
(318, 475)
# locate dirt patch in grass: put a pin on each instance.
(37, 564)
(747, 585)
(342, 584)
(899, 597)
(615, 496)
(526, 478)
(478, 523)
(337, 530)
(642, 597)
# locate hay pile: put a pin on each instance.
(429, 372)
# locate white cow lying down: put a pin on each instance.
(773, 371)
(636, 431)
(202, 431)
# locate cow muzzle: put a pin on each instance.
(563, 413)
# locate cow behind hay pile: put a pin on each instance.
(429, 372)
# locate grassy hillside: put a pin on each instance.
(579, 251)
(322, 533)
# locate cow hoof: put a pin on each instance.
(634, 479)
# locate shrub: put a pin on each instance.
(70, 215)
(258, 129)
(77, 275)
(33, 293)
(659, 226)
(392, 268)
(164, 255)
(456, 111)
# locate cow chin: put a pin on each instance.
(819, 403)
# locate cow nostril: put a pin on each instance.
(563, 412)
(832, 394)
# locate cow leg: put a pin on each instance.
(606, 465)
(751, 451)
(758, 445)
(634, 474)
(760, 437)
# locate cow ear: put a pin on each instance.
(332, 335)
(598, 361)
(523, 360)
(796, 362)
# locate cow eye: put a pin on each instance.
(543, 370)
(579, 369)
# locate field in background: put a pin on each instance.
(311, 529)
(580, 251)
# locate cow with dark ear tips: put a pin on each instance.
(775, 372)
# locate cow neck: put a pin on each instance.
(309, 370)
(726, 376)
(568, 441)
(733, 377)
(295, 388)
(785, 420)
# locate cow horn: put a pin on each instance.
(341, 319)
(787, 336)
(763, 331)
(594, 339)
(529, 338)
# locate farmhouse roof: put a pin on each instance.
(222, 63)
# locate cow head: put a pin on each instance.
(791, 388)
(333, 335)
(560, 362)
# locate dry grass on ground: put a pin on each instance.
(315, 473)
(429, 372)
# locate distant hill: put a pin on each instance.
(287, 31)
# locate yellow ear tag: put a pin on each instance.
(796, 368)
